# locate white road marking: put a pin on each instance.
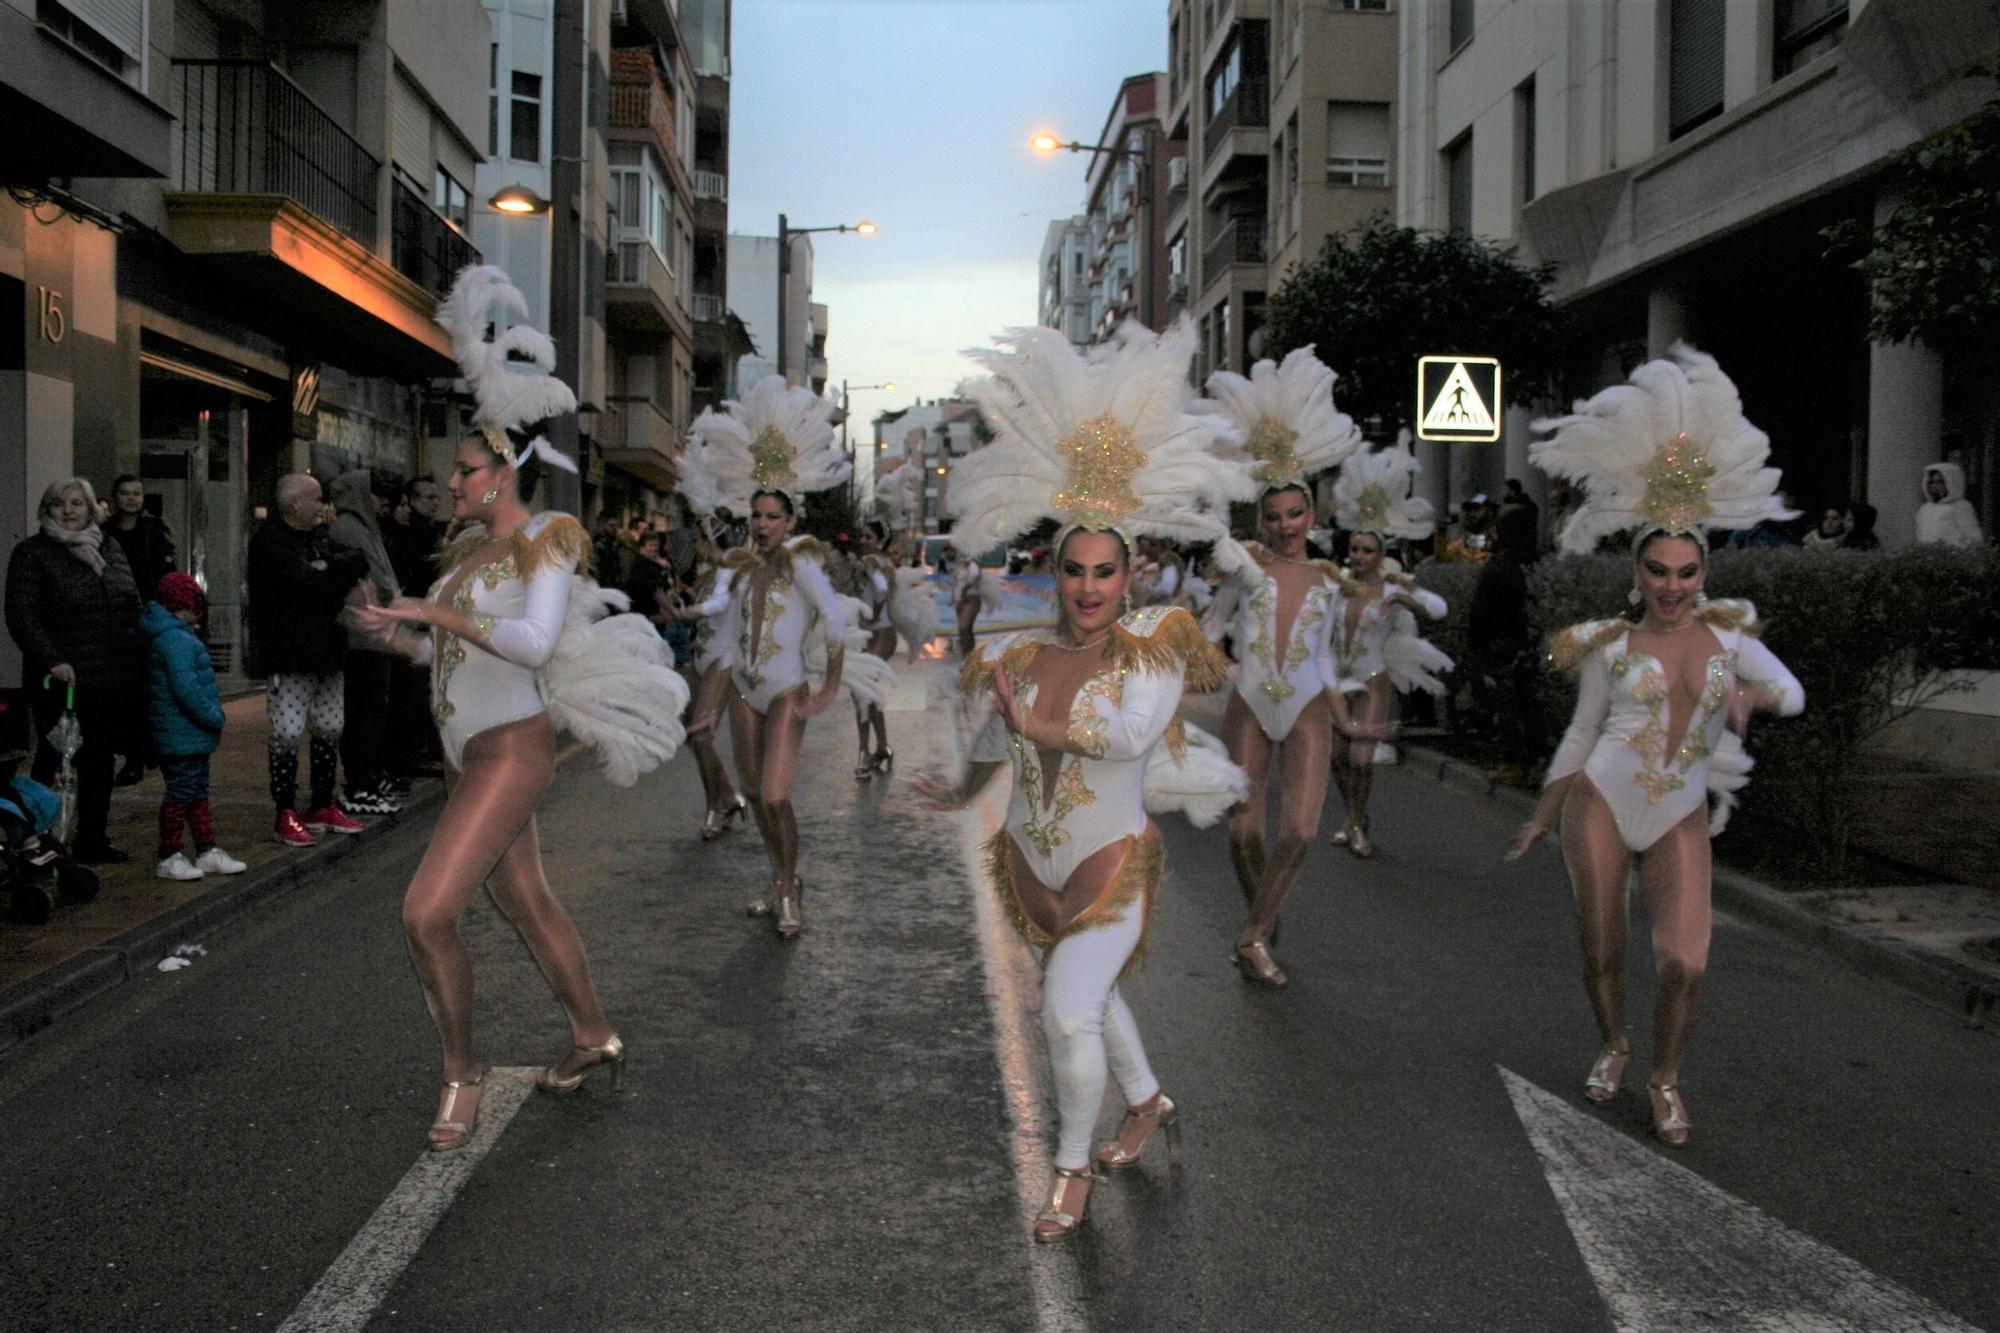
(1668, 1250)
(1053, 1280)
(347, 1294)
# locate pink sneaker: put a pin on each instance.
(332, 819)
(292, 830)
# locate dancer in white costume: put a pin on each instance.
(518, 646)
(761, 455)
(1278, 609)
(875, 580)
(1108, 447)
(1662, 700)
(708, 673)
(1376, 647)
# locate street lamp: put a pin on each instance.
(844, 390)
(785, 234)
(1045, 142)
(1142, 157)
(518, 200)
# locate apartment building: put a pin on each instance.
(227, 231)
(1286, 111)
(719, 337)
(1678, 161)
(1125, 209)
(1063, 303)
(753, 287)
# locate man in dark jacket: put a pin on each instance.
(357, 526)
(149, 550)
(413, 546)
(1503, 648)
(299, 582)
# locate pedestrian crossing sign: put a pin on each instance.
(1458, 399)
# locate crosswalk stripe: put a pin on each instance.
(347, 1294)
(1669, 1250)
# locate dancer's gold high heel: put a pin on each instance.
(1054, 1224)
(460, 1131)
(1357, 840)
(611, 1055)
(1670, 1117)
(791, 918)
(884, 760)
(1254, 961)
(716, 822)
(1115, 1156)
(1607, 1075)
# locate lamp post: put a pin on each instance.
(844, 389)
(785, 234)
(1045, 142)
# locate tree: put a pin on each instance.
(1377, 299)
(1933, 265)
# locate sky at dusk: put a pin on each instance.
(915, 114)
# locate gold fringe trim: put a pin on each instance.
(1139, 876)
(1569, 647)
(1175, 644)
(562, 540)
(1734, 613)
(811, 548)
(975, 677)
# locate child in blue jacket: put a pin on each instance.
(185, 709)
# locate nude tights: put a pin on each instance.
(487, 835)
(767, 757)
(1354, 757)
(1303, 758)
(1674, 880)
(709, 691)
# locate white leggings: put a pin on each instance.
(1089, 1025)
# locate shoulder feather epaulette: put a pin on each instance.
(1162, 639)
(810, 548)
(1259, 552)
(1568, 648)
(975, 677)
(1331, 570)
(1735, 613)
(740, 559)
(561, 540)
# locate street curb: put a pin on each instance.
(31, 1005)
(1934, 977)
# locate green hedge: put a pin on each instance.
(1866, 632)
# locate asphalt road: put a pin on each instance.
(851, 1131)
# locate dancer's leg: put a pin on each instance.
(1674, 874)
(1374, 712)
(784, 734)
(1250, 750)
(1599, 865)
(506, 770)
(1303, 762)
(746, 738)
(711, 693)
(968, 615)
(520, 888)
(1078, 986)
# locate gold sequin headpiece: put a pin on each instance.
(1372, 494)
(777, 438)
(1284, 409)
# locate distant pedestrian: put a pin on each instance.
(360, 506)
(1827, 533)
(1516, 495)
(1946, 516)
(146, 540)
(608, 551)
(1860, 535)
(413, 536)
(74, 610)
(299, 581)
(1504, 653)
(186, 720)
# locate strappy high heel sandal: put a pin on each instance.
(460, 1131)
(1607, 1075)
(865, 769)
(1357, 840)
(1115, 1156)
(1670, 1116)
(1254, 961)
(884, 760)
(791, 917)
(1053, 1223)
(716, 822)
(611, 1056)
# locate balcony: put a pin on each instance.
(1239, 242)
(640, 294)
(639, 101)
(641, 439)
(711, 185)
(425, 248)
(246, 128)
(707, 306)
(1248, 107)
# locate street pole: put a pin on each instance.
(784, 267)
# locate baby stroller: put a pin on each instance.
(36, 869)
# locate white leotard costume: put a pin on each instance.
(1275, 681)
(799, 603)
(715, 640)
(519, 601)
(1384, 638)
(874, 586)
(1619, 734)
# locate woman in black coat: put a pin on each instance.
(73, 608)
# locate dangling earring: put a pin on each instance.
(1700, 600)
(1125, 605)
(1634, 596)
(494, 494)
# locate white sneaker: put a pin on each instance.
(177, 866)
(215, 861)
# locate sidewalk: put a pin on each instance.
(48, 970)
(1911, 935)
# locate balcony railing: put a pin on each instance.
(424, 247)
(245, 128)
(1249, 105)
(707, 305)
(1241, 241)
(711, 185)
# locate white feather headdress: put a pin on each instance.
(1285, 411)
(897, 490)
(511, 376)
(776, 438)
(1670, 451)
(1372, 494)
(1107, 440)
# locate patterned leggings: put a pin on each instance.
(296, 701)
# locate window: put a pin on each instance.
(1367, 6)
(526, 125)
(1357, 143)
(1804, 30)
(1288, 204)
(1460, 30)
(1524, 130)
(1222, 80)
(451, 199)
(1458, 185)
(493, 100)
(1694, 63)
(1177, 264)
